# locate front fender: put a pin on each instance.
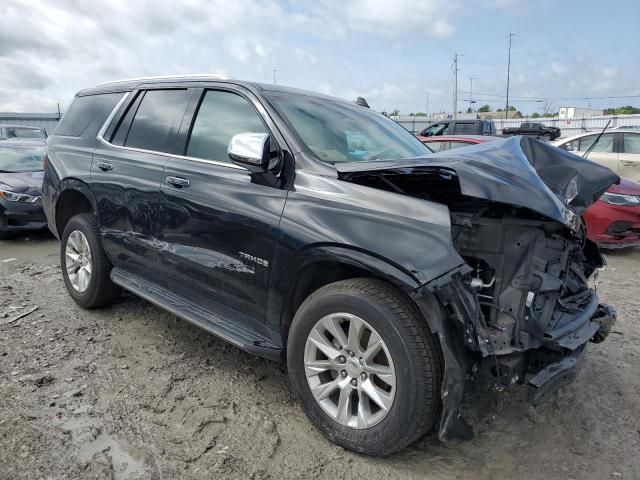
(410, 233)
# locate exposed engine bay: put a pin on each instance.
(520, 306)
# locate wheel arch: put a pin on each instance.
(329, 264)
(75, 197)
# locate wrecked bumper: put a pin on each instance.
(562, 372)
(550, 361)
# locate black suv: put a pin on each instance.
(314, 230)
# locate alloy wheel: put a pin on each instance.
(78, 261)
(349, 370)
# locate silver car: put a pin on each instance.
(619, 150)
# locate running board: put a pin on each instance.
(239, 335)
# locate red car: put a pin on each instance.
(614, 220)
(447, 142)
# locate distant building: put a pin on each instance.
(48, 121)
(578, 112)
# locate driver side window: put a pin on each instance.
(435, 129)
(220, 116)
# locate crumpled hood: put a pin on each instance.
(23, 182)
(519, 171)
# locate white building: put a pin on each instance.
(578, 112)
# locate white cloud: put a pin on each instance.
(49, 49)
(430, 17)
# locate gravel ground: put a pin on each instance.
(133, 392)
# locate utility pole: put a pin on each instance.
(455, 86)
(274, 76)
(427, 112)
(471, 79)
(506, 113)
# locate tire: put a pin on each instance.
(98, 290)
(414, 357)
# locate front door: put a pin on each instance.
(630, 156)
(220, 228)
(126, 172)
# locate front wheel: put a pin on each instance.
(85, 266)
(365, 366)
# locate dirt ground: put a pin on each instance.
(133, 392)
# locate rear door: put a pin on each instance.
(220, 224)
(126, 173)
(630, 156)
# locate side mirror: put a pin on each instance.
(250, 150)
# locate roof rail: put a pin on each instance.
(214, 76)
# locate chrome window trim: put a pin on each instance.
(108, 121)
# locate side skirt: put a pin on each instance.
(239, 335)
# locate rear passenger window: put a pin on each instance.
(631, 143)
(90, 110)
(159, 114)
(220, 116)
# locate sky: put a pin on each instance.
(395, 53)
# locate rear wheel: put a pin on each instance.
(85, 266)
(365, 366)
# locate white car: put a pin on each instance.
(619, 150)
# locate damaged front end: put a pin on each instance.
(520, 305)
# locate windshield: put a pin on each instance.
(21, 158)
(22, 132)
(338, 132)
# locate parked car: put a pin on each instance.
(9, 132)
(626, 127)
(535, 129)
(302, 227)
(614, 220)
(20, 187)
(619, 150)
(459, 127)
(448, 142)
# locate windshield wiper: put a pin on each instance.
(596, 142)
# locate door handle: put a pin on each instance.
(178, 182)
(629, 163)
(104, 166)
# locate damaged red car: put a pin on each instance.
(614, 220)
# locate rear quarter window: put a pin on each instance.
(87, 114)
